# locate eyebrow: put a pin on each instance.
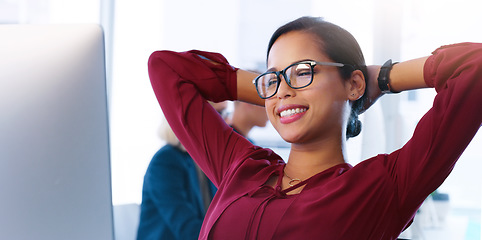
(298, 61)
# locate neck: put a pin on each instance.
(306, 160)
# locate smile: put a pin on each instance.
(291, 112)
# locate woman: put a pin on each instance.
(316, 194)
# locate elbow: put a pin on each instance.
(157, 59)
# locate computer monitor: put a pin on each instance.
(55, 180)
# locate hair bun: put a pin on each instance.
(354, 126)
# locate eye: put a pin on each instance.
(302, 70)
(303, 73)
(268, 80)
(272, 81)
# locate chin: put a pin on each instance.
(290, 138)
(287, 133)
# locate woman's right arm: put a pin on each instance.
(182, 82)
(246, 89)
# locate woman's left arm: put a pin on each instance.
(441, 136)
(407, 75)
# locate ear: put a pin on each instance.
(355, 86)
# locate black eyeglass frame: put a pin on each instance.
(312, 64)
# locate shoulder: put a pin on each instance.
(170, 149)
(377, 165)
(170, 155)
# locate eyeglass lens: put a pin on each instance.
(297, 76)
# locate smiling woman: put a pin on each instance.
(316, 194)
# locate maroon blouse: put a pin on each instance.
(376, 199)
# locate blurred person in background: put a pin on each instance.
(245, 116)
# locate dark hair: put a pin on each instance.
(340, 46)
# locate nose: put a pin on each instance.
(284, 90)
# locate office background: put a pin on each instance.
(240, 29)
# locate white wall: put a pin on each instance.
(134, 113)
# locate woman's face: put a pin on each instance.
(323, 105)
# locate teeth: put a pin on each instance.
(291, 112)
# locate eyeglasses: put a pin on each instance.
(297, 75)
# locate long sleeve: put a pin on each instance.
(446, 129)
(182, 83)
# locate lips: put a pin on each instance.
(291, 113)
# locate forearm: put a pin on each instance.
(408, 75)
(246, 89)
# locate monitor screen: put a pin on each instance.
(55, 180)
